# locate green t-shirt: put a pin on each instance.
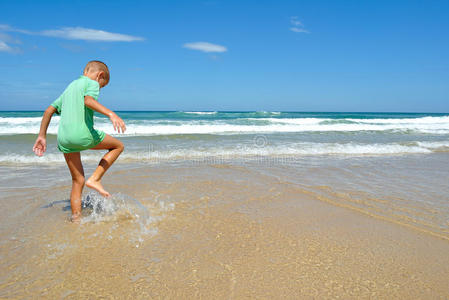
(76, 126)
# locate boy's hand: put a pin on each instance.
(40, 146)
(117, 122)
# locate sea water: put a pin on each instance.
(176, 135)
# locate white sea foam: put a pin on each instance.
(216, 127)
(22, 120)
(432, 125)
(295, 121)
(423, 120)
(243, 151)
(439, 145)
(200, 112)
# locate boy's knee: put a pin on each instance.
(79, 180)
(121, 147)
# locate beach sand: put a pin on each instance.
(213, 232)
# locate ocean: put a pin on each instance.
(176, 135)
(191, 185)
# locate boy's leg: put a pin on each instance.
(76, 170)
(115, 147)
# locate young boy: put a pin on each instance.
(76, 132)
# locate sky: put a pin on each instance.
(368, 56)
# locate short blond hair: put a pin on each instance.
(96, 65)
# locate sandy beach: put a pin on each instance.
(220, 231)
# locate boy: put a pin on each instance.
(76, 133)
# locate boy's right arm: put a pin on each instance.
(41, 142)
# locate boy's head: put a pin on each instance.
(98, 71)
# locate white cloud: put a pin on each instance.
(71, 33)
(8, 39)
(294, 21)
(87, 34)
(296, 29)
(5, 48)
(297, 25)
(77, 33)
(5, 27)
(205, 47)
(5, 40)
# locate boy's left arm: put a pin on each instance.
(41, 142)
(116, 121)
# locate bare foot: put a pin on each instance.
(96, 185)
(76, 218)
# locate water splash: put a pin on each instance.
(119, 205)
(117, 209)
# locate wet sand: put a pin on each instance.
(216, 232)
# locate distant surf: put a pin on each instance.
(193, 135)
(241, 123)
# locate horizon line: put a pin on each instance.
(280, 111)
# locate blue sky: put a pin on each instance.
(230, 55)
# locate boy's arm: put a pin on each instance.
(117, 122)
(41, 142)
